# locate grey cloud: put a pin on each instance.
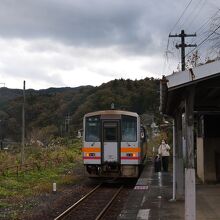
(128, 24)
(34, 73)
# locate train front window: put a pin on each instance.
(92, 133)
(129, 128)
(110, 132)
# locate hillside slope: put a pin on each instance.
(57, 111)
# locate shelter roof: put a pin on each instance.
(206, 81)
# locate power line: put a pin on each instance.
(200, 37)
(170, 52)
(203, 40)
(166, 58)
(195, 13)
(181, 15)
(208, 21)
(204, 26)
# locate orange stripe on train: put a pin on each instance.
(91, 149)
(130, 149)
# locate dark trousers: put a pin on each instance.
(165, 162)
(157, 164)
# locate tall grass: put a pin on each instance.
(15, 188)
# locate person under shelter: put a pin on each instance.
(164, 152)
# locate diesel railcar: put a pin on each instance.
(114, 144)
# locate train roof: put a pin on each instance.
(111, 112)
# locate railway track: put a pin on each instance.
(94, 204)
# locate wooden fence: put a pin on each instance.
(39, 165)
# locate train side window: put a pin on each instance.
(129, 128)
(92, 131)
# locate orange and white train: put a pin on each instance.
(114, 144)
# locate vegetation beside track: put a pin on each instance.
(16, 188)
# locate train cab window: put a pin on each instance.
(92, 131)
(129, 128)
(110, 132)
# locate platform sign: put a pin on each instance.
(141, 187)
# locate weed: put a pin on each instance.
(50, 165)
(4, 205)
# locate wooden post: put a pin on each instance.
(179, 157)
(190, 192)
(17, 170)
(23, 127)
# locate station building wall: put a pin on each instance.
(208, 149)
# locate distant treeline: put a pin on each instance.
(59, 111)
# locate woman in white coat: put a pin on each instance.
(163, 151)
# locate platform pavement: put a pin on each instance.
(151, 197)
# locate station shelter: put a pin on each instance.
(192, 99)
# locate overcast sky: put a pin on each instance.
(57, 43)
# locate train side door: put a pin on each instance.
(110, 141)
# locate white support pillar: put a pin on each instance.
(190, 192)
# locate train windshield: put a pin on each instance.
(110, 132)
(92, 131)
(129, 128)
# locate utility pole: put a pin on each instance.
(183, 45)
(61, 130)
(23, 127)
(67, 123)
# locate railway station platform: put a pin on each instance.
(151, 198)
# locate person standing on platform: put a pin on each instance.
(163, 151)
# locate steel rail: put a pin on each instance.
(109, 203)
(67, 211)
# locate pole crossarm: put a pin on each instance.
(183, 45)
(182, 35)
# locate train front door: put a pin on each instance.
(110, 141)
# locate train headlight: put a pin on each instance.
(90, 154)
(130, 155)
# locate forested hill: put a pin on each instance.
(48, 111)
(10, 94)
